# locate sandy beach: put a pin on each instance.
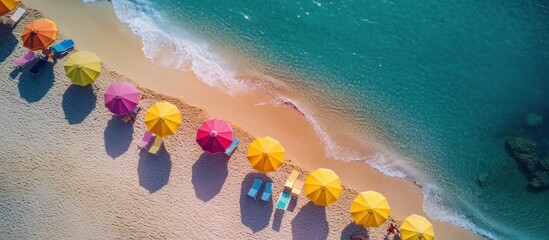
(71, 170)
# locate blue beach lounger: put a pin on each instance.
(62, 47)
(255, 188)
(283, 201)
(232, 147)
(266, 196)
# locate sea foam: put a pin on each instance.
(173, 47)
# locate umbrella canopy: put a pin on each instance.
(82, 67)
(416, 227)
(7, 6)
(370, 209)
(214, 136)
(163, 119)
(322, 186)
(39, 34)
(121, 98)
(266, 154)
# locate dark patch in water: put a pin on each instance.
(529, 146)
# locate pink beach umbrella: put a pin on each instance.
(214, 136)
(121, 97)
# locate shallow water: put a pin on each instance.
(439, 83)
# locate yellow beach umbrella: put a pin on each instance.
(322, 186)
(163, 119)
(7, 6)
(416, 227)
(370, 209)
(83, 67)
(266, 154)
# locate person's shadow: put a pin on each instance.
(33, 88)
(255, 214)
(154, 170)
(353, 229)
(310, 223)
(8, 41)
(209, 174)
(78, 102)
(392, 237)
(118, 137)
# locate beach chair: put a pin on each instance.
(283, 201)
(266, 196)
(145, 140)
(232, 147)
(255, 188)
(63, 47)
(16, 16)
(296, 190)
(156, 145)
(135, 111)
(21, 62)
(291, 180)
(130, 117)
(37, 67)
(127, 118)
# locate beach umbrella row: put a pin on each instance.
(371, 209)
(81, 67)
(7, 6)
(266, 154)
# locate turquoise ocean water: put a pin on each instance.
(438, 83)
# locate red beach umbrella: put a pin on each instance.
(121, 97)
(214, 136)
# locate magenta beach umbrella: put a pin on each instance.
(214, 136)
(121, 98)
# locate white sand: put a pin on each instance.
(71, 171)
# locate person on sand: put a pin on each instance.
(393, 229)
(48, 53)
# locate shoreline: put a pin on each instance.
(115, 44)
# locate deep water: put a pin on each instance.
(443, 83)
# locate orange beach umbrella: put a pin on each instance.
(39, 34)
(7, 6)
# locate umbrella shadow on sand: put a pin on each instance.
(8, 41)
(118, 137)
(353, 229)
(310, 223)
(33, 88)
(209, 174)
(154, 170)
(78, 102)
(255, 214)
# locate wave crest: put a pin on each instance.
(173, 48)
